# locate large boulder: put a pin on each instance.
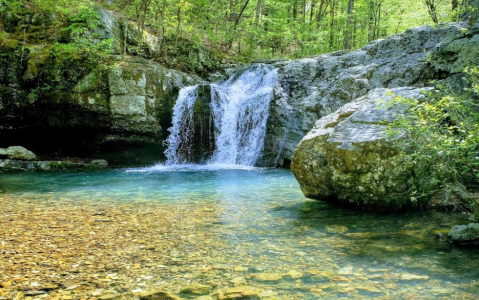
(17, 152)
(350, 157)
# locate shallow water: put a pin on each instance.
(254, 227)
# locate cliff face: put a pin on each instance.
(314, 87)
(65, 103)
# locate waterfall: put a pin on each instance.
(222, 123)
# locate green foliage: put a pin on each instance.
(83, 30)
(251, 29)
(443, 131)
(10, 5)
(284, 28)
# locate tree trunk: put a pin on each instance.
(454, 5)
(371, 28)
(331, 25)
(178, 24)
(241, 14)
(125, 36)
(311, 12)
(475, 12)
(323, 8)
(258, 13)
(354, 33)
(349, 29)
(431, 8)
(295, 9)
(161, 29)
(304, 11)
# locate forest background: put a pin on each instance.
(246, 29)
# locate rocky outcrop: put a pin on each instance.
(18, 158)
(465, 235)
(63, 103)
(120, 112)
(350, 157)
(8, 165)
(347, 158)
(314, 87)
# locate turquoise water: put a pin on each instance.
(254, 227)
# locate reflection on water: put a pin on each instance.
(254, 227)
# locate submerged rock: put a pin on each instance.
(158, 295)
(241, 293)
(465, 234)
(267, 277)
(197, 289)
(348, 157)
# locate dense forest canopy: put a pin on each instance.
(266, 28)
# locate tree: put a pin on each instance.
(349, 29)
(432, 9)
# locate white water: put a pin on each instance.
(239, 110)
(182, 120)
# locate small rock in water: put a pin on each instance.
(268, 276)
(149, 247)
(336, 229)
(97, 293)
(158, 295)
(409, 276)
(315, 290)
(241, 292)
(204, 298)
(197, 289)
(238, 281)
(268, 293)
(295, 274)
(346, 271)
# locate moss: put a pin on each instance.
(8, 44)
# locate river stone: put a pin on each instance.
(465, 234)
(295, 274)
(349, 158)
(197, 289)
(268, 276)
(158, 295)
(241, 293)
(17, 152)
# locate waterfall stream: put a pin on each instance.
(222, 123)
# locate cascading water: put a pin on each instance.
(222, 123)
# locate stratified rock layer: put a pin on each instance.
(120, 113)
